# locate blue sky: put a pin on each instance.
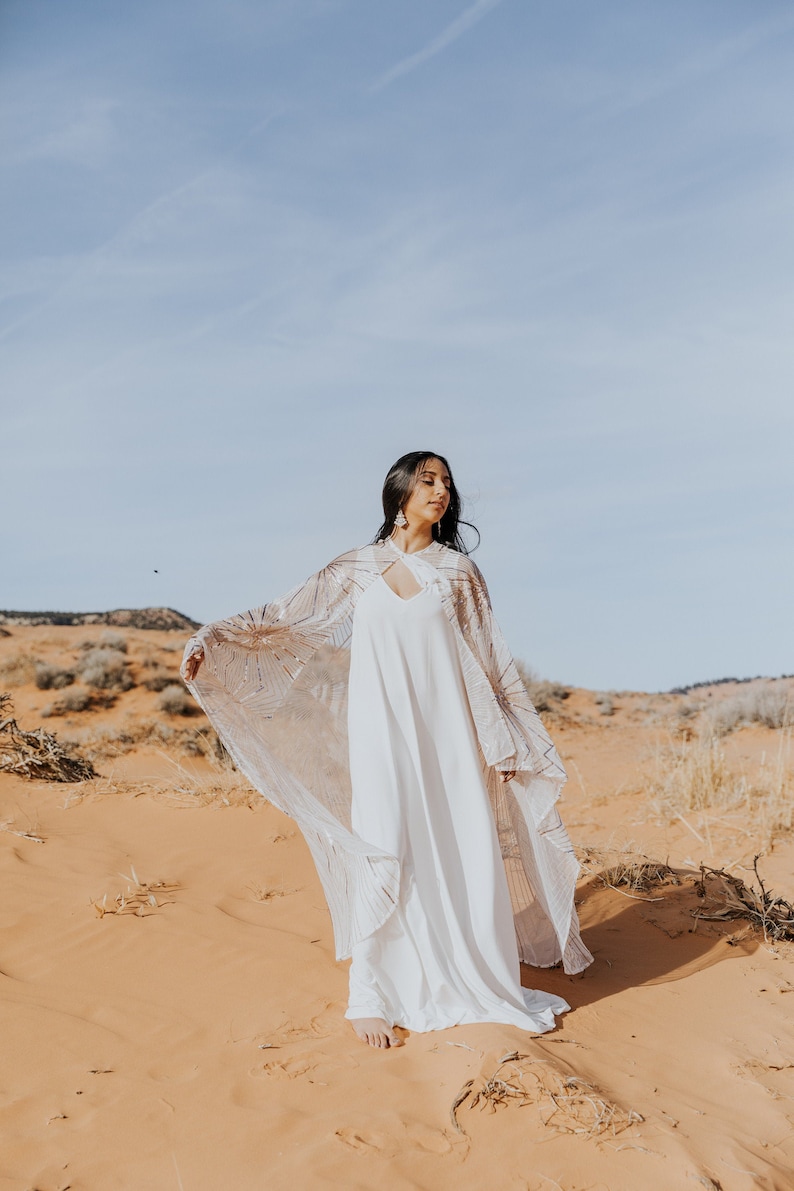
(254, 251)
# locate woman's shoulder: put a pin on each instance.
(456, 564)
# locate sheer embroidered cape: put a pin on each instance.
(274, 685)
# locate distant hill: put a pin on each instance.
(123, 618)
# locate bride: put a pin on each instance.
(378, 705)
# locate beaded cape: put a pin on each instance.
(274, 686)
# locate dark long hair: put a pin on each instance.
(398, 486)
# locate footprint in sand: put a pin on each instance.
(311, 1067)
(286, 1068)
(324, 1023)
(249, 910)
(433, 1141)
(417, 1136)
(367, 1141)
(296, 1065)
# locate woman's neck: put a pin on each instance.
(411, 539)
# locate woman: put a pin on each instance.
(433, 825)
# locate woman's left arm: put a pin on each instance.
(533, 748)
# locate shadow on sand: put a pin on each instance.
(642, 942)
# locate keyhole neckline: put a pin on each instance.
(409, 553)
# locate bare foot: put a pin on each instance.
(375, 1032)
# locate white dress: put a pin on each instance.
(448, 953)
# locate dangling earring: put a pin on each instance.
(400, 521)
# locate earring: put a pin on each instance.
(400, 520)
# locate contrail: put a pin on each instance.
(453, 31)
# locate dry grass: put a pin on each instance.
(37, 754)
(629, 872)
(103, 741)
(626, 869)
(260, 894)
(141, 897)
(695, 775)
(565, 1103)
(223, 786)
(184, 790)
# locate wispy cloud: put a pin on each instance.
(467, 19)
(719, 55)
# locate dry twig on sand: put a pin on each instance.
(37, 754)
(9, 826)
(731, 898)
(140, 899)
(567, 1103)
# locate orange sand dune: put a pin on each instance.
(199, 1045)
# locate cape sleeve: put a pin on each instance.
(256, 685)
(256, 656)
(511, 732)
(541, 866)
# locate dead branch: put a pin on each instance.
(728, 897)
(37, 754)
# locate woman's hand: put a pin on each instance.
(507, 775)
(192, 664)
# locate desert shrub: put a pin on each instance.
(160, 680)
(105, 669)
(111, 640)
(174, 700)
(545, 695)
(605, 703)
(723, 717)
(771, 706)
(52, 678)
(76, 700)
(19, 669)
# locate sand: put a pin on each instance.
(200, 1045)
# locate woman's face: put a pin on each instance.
(430, 498)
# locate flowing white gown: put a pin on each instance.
(448, 953)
